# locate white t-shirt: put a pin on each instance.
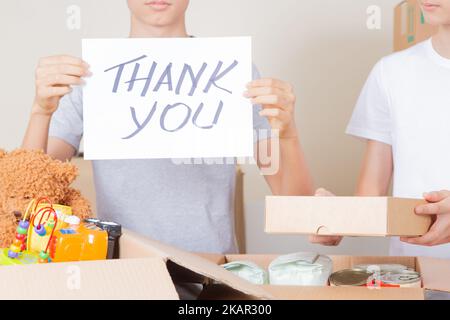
(406, 103)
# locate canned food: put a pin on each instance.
(403, 279)
(349, 278)
(381, 268)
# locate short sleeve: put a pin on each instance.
(67, 121)
(371, 118)
(260, 124)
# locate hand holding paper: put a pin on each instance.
(278, 102)
(438, 206)
(54, 77)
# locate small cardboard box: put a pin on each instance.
(148, 269)
(348, 216)
(410, 26)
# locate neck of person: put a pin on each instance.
(441, 41)
(142, 30)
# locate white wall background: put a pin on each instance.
(324, 48)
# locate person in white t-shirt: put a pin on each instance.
(404, 114)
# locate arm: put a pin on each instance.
(54, 78)
(36, 138)
(281, 158)
(374, 180)
(291, 176)
(376, 171)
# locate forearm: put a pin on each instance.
(376, 171)
(36, 136)
(293, 176)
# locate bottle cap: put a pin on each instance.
(113, 229)
(72, 220)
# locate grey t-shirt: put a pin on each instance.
(189, 206)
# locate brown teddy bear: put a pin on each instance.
(26, 175)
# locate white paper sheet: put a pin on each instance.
(147, 109)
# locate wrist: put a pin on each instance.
(39, 111)
(290, 132)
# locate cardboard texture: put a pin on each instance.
(112, 279)
(410, 26)
(221, 292)
(349, 216)
(148, 269)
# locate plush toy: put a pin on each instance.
(25, 175)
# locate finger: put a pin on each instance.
(62, 59)
(270, 82)
(321, 192)
(50, 92)
(275, 114)
(436, 196)
(61, 79)
(67, 69)
(433, 208)
(429, 239)
(263, 91)
(330, 240)
(275, 100)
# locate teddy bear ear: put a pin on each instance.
(2, 153)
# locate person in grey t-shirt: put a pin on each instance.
(186, 205)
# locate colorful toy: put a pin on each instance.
(47, 235)
(36, 239)
(46, 224)
(26, 175)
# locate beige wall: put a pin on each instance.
(324, 48)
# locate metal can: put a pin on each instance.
(403, 279)
(349, 278)
(381, 268)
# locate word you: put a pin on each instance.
(187, 83)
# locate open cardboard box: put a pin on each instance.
(148, 270)
(221, 284)
(347, 216)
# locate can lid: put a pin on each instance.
(382, 268)
(350, 277)
(403, 277)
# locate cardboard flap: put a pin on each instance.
(132, 245)
(435, 273)
(192, 262)
(111, 280)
